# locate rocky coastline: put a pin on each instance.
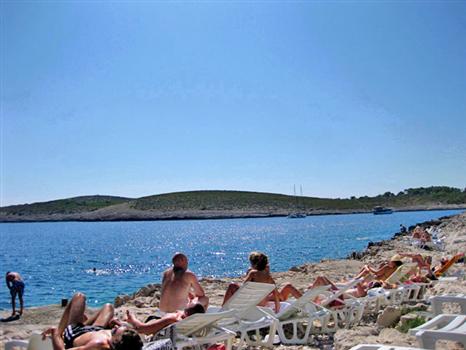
(144, 301)
(123, 212)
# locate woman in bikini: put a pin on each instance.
(260, 272)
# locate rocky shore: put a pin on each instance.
(124, 212)
(144, 301)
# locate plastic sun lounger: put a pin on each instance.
(348, 313)
(201, 329)
(405, 293)
(35, 342)
(299, 317)
(381, 347)
(441, 327)
(438, 301)
(402, 273)
(247, 317)
(448, 264)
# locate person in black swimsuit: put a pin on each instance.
(76, 331)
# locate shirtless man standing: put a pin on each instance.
(77, 332)
(180, 287)
(15, 284)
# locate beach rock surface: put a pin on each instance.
(145, 301)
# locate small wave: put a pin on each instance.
(362, 238)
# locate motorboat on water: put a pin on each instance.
(381, 210)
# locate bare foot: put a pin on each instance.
(131, 319)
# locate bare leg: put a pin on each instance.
(364, 272)
(287, 290)
(13, 303)
(102, 317)
(232, 288)
(323, 281)
(151, 327)
(21, 303)
(74, 312)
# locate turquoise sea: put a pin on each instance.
(58, 259)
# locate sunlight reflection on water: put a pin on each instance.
(57, 259)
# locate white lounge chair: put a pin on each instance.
(381, 347)
(201, 329)
(438, 301)
(348, 313)
(401, 274)
(247, 318)
(35, 342)
(405, 293)
(299, 317)
(441, 327)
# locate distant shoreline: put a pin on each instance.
(198, 215)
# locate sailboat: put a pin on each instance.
(296, 214)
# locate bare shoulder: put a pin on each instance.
(252, 275)
(190, 275)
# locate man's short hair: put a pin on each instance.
(178, 258)
(195, 309)
(130, 340)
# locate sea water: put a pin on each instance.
(105, 259)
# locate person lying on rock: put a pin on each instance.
(155, 325)
(77, 331)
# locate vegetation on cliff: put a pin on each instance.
(81, 204)
(241, 201)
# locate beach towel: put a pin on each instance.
(162, 344)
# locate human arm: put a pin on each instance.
(151, 327)
(250, 276)
(7, 280)
(57, 341)
(164, 282)
(196, 286)
(276, 300)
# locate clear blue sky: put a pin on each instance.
(139, 98)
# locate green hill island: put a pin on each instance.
(226, 204)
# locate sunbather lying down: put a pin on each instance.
(155, 325)
(77, 331)
(383, 272)
(445, 264)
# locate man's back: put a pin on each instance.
(175, 290)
